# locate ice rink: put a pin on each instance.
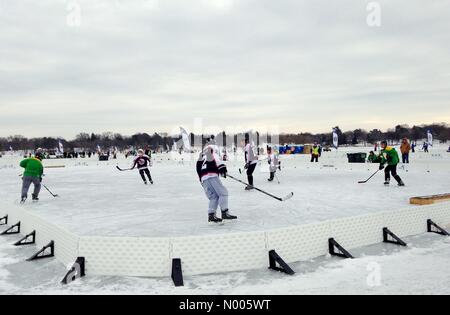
(96, 199)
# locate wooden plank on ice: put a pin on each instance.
(429, 200)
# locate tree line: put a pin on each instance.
(440, 132)
(108, 140)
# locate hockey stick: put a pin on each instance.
(277, 179)
(365, 181)
(50, 191)
(289, 196)
(123, 170)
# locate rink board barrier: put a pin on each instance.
(66, 243)
(207, 254)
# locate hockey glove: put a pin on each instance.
(381, 167)
(223, 171)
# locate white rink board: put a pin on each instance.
(66, 243)
(407, 222)
(152, 257)
(440, 213)
(223, 253)
(121, 256)
(358, 231)
(300, 242)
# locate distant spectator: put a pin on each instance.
(405, 148)
(413, 147)
(316, 152)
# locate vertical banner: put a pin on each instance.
(186, 142)
(335, 139)
(430, 138)
(60, 147)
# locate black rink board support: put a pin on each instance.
(274, 258)
(77, 271)
(437, 229)
(177, 272)
(4, 220)
(26, 240)
(342, 252)
(15, 229)
(396, 240)
(41, 254)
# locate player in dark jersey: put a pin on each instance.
(209, 168)
(143, 162)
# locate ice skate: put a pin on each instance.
(227, 216)
(212, 219)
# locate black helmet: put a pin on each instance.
(39, 156)
(384, 142)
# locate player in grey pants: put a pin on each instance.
(27, 181)
(216, 193)
(209, 168)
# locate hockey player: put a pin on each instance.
(211, 142)
(251, 160)
(390, 157)
(372, 158)
(316, 152)
(143, 162)
(32, 175)
(274, 163)
(209, 167)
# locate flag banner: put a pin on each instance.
(61, 147)
(335, 139)
(430, 137)
(186, 142)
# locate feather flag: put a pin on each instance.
(60, 147)
(335, 139)
(430, 137)
(186, 143)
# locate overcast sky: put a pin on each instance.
(153, 65)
